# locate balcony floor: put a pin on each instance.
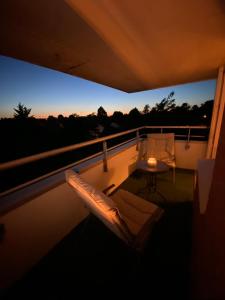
(178, 192)
(93, 261)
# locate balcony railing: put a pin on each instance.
(109, 143)
(22, 161)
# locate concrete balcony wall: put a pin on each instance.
(34, 228)
(187, 158)
(120, 166)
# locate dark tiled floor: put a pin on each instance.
(178, 192)
(93, 261)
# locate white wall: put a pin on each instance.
(188, 158)
(120, 166)
(34, 228)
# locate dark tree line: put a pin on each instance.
(24, 135)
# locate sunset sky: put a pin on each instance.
(50, 92)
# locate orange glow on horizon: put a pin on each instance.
(66, 114)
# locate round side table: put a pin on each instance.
(151, 186)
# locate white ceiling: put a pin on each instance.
(131, 45)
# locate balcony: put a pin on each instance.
(44, 246)
(44, 221)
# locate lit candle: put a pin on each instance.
(152, 162)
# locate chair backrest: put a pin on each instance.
(100, 205)
(161, 146)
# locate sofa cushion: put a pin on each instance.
(89, 192)
(100, 205)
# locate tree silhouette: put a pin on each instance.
(167, 104)
(21, 112)
(205, 111)
(91, 115)
(184, 108)
(73, 116)
(101, 112)
(60, 117)
(51, 118)
(117, 115)
(146, 109)
(195, 108)
(134, 112)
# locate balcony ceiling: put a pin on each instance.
(129, 45)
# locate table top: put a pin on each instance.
(159, 168)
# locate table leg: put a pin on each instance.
(152, 184)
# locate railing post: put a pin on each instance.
(161, 130)
(105, 162)
(187, 146)
(137, 137)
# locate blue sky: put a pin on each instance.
(49, 92)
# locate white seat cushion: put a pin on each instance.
(89, 192)
(135, 210)
(127, 215)
(100, 205)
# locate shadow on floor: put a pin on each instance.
(178, 192)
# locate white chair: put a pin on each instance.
(128, 216)
(162, 147)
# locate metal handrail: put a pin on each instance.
(54, 152)
(179, 127)
(71, 165)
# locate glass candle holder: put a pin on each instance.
(152, 162)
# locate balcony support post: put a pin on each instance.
(138, 138)
(187, 146)
(217, 114)
(105, 159)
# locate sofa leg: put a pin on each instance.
(174, 176)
